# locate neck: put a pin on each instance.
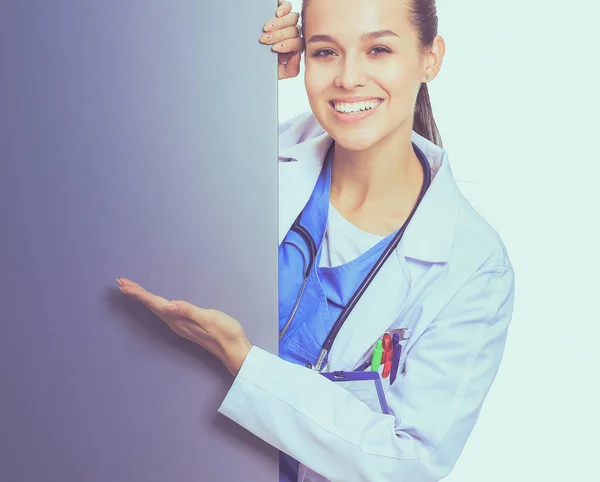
(386, 177)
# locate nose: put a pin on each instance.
(352, 73)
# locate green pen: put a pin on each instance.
(377, 356)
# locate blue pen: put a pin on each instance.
(397, 349)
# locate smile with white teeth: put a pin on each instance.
(356, 107)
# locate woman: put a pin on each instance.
(351, 175)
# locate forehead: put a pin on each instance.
(346, 19)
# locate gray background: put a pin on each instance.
(137, 139)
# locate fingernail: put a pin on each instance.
(171, 307)
(269, 27)
(123, 290)
(119, 282)
(280, 12)
(277, 47)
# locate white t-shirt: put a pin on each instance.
(344, 242)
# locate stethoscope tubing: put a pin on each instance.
(368, 278)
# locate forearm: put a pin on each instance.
(331, 432)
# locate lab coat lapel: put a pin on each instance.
(302, 150)
(374, 313)
(298, 177)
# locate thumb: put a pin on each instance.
(292, 67)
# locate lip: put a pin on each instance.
(354, 118)
(355, 98)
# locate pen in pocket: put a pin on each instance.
(397, 347)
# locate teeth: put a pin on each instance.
(354, 107)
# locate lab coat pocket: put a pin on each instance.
(385, 382)
(403, 335)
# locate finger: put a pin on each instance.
(275, 36)
(130, 287)
(284, 8)
(291, 68)
(289, 20)
(126, 282)
(153, 302)
(126, 285)
(290, 45)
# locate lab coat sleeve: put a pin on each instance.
(435, 401)
(284, 126)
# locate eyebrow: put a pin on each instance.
(365, 36)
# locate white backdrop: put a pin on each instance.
(516, 105)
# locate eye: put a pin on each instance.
(380, 50)
(323, 53)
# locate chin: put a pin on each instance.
(354, 141)
(355, 135)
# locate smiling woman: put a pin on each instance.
(383, 264)
(400, 53)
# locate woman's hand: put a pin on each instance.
(282, 32)
(215, 331)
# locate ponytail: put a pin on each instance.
(424, 123)
(423, 16)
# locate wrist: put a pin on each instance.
(236, 355)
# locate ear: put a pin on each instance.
(432, 59)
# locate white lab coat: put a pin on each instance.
(449, 281)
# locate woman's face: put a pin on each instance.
(363, 69)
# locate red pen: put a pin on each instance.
(387, 355)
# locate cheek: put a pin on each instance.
(317, 85)
(315, 79)
(400, 84)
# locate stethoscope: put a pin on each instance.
(312, 247)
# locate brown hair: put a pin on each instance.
(423, 17)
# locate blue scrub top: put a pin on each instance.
(327, 291)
